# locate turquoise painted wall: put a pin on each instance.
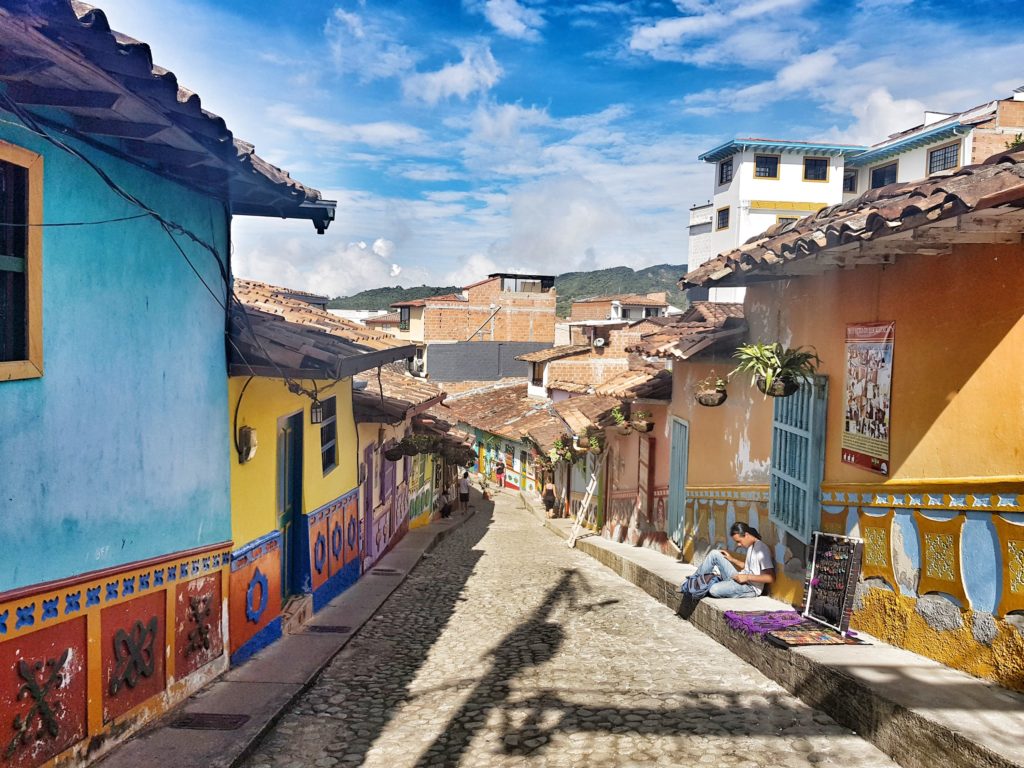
(120, 452)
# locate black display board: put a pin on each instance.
(831, 581)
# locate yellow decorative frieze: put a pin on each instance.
(940, 556)
(876, 530)
(1011, 547)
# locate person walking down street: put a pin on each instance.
(548, 495)
(745, 577)
(464, 492)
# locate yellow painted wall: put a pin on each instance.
(730, 445)
(957, 385)
(254, 484)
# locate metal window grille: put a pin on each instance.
(329, 435)
(816, 168)
(797, 464)
(403, 318)
(766, 166)
(723, 219)
(943, 158)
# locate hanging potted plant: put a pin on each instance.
(641, 421)
(711, 390)
(583, 441)
(621, 424)
(777, 370)
(596, 446)
(394, 453)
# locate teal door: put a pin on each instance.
(289, 503)
(677, 480)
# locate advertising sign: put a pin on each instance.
(866, 418)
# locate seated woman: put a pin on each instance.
(758, 568)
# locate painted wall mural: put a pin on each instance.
(334, 547)
(254, 605)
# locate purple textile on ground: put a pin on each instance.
(760, 622)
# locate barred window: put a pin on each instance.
(403, 318)
(722, 219)
(944, 158)
(329, 435)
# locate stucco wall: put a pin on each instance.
(119, 452)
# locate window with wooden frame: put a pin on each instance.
(538, 374)
(404, 314)
(766, 166)
(849, 181)
(21, 267)
(944, 158)
(816, 168)
(722, 218)
(883, 175)
(725, 171)
(329, 434)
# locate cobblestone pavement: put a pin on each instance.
(505, 648)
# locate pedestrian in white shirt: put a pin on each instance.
(464, 492)
(758, 568)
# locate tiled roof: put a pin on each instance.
(504, 411)
(633, 299)
(278, 301)
(978, 203)
(582, 413)
(423, 302)
(394, 395)
(647, 383)
(570, 386)
(703, 326)
(391, 318)
(63, 53)
(554, 353)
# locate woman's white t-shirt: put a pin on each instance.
(463, 485)
(759, 560)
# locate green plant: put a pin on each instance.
(1017, 142)
(618, 415)
(640, 416)
(773, 362)
(711, 383)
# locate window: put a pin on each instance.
(538, 375)
(722, 218)
(944, 158)
(725, 171)
(882, 175)
(329, 435)
(403, 318)
(816, 169)
(651, 312)
(785, 219)
(21, 316)
(766, 166)
(849, 181)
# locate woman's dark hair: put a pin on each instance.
(465, 474)
(742, 529)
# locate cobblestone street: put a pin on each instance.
(505, 648)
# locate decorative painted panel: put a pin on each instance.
(132, 643)
(833, 521)
(353, 534)
(255, 590)
(43, 688)
(319, 547)
(940, 556)
(1011, 546)
(198, 637)
(876, 530)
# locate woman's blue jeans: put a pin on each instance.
(715, 560)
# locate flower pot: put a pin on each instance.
(779, 387)
(642, 426)
(624, 428)
(712, 398)
(393, 454)
(583, 441)
(596, 448)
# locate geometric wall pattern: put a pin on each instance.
(940, 556)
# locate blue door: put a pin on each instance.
(677, 480)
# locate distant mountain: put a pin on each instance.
(570, 286)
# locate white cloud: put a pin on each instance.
(379, 134)
(477, 72)
(878, 115)
(510, 17)
(475, 267)
(366, 46)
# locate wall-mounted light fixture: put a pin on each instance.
(247, 444)
(316, 412)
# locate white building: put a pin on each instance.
(762, 182)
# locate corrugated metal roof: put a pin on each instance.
(897, 215)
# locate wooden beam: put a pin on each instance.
(61, 97)
(125, 129)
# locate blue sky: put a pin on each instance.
(463, 137)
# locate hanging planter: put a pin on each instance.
(778, 387)
(711, 391)
(777, 370)
(622, 426)
(583, 441)
(394, 454)
(641, 421)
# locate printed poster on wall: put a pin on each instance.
(866, 424)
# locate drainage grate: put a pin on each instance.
(329, 629)
(385, 572)
(209, 721)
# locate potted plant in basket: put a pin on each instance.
(641, 421)
(777, 370)
(621, 423)
(711, 390)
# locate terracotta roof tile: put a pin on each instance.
(554, 353)
(395, 394)
(391, 318)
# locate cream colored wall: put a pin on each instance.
(254, 484)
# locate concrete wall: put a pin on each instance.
(119, 452)
(479, 361)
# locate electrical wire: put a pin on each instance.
(76, 223)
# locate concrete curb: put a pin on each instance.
(917, 711)
(267, 684)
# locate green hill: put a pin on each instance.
(570, 286)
